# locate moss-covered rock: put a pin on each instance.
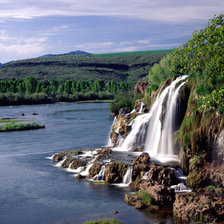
(115, 172)
(94, 170)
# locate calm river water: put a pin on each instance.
(33, 191)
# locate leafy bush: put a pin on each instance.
(125, 101)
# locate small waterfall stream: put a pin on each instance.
(127, 179)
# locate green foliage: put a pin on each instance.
(126, 67)
(32, 90)
(104, 221)
(146, 198)
(20, 126)
(125, 101)
(202, 57)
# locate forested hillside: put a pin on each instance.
(128, 67)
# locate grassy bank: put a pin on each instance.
(20, 126)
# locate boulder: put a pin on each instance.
(94, 170)
(77, 163)
(124, 130)
(67, 162)
(199, 207)
(162, 195)
(114, 137)
(58, 157)
(137, 105)
(115, 172)
(159, 175)
(141, 164)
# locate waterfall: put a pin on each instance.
(159, 141)
(138, 133)
(127, 179)
(100, 175)
(109, 142)
(59, 164)
(141, 107)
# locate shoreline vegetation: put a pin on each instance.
(20, 126)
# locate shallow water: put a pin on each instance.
(34, 191)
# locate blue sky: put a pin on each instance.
(32, 28)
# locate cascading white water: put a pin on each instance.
(127, 179)
(138, 133)
(141, 107)
(109, 143)
(154, 130)
(100, 175)
(59, 164)
(159, 141)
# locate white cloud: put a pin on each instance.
(22, 46)
(174, 11)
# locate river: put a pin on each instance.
(34, 191)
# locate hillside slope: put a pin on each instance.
(124, 67)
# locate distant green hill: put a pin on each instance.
(129, 67)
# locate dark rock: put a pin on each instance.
(104, 151)
(77, 163)
(122, 111)
(137, 105)
(79, 176)
(137, 149)
(94, 170)
(195, 207)
(22, 114)
(34, 113)
(115, 212)
(163, 196)
(140, 87)
(115, 172)
(114, 137)
(162, 176)
(58, 157)
(139, 204)
(124, 130)
(140, 164)
(67, 162)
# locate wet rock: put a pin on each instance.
(94, 170)
(115, 172)
(67, 162)
(77, 163)
(140, 164)
(58, 157)
(137, 149)
(163, 196)
(114, 137)
(22, 114)
(115, 212)
(162, 176)
(124, 130)
(79, 176)
(195, 207)
(34, 113)
(104, 151)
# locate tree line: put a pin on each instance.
(32, 90)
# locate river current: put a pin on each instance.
(34, 191)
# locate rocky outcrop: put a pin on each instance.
(94, 170)
(140, 87)
(165, 176)
(141, 164)
(163, 196)
(77, 163)
(115, 172)
(194, 207)
(114, 137)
